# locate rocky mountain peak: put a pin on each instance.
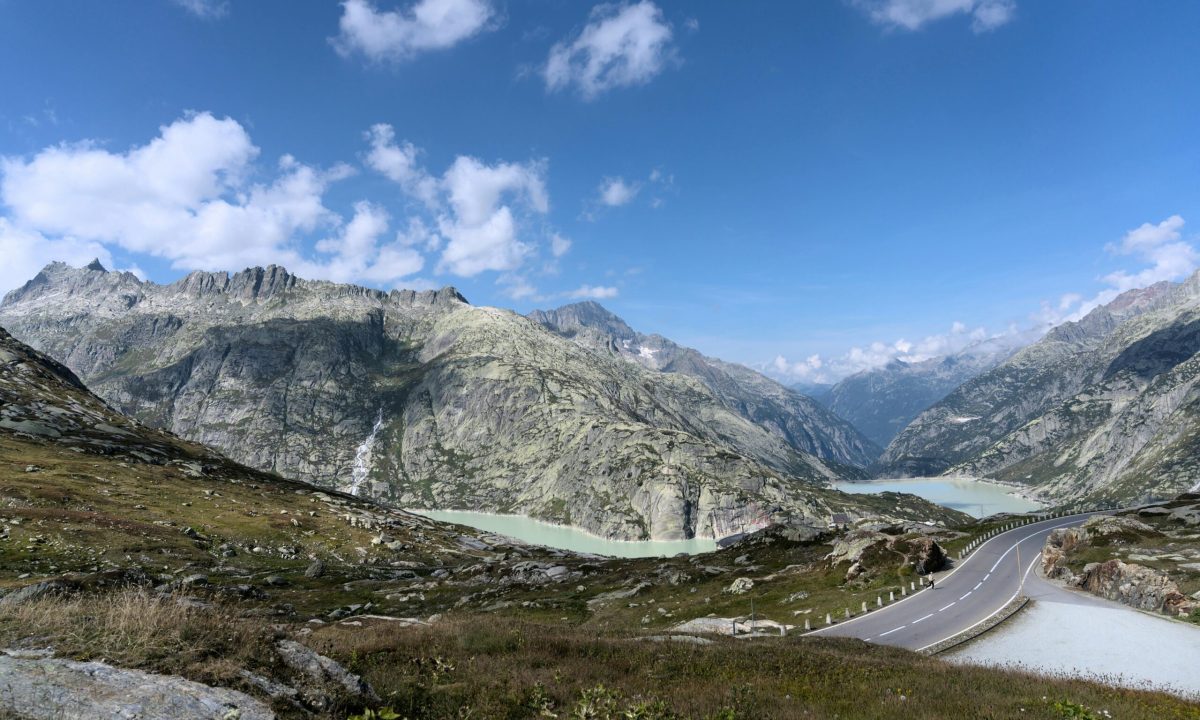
(96, 265)
(570, 319)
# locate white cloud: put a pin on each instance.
(399, 164)
(185, 197)
(357, 254)
(816, 368)
(25, 252)
(622, 45)
(396, 35)
(480, 228)
(474, 205)
(207, 9)
(1161, 246)
(597, 292)
(985, 15)
(559, 245)
(615, 192)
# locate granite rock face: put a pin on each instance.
(1132, 583)
(53, 689)
(1103, 410)
(798, 420)
(422, 400)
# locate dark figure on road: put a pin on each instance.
(930, 583)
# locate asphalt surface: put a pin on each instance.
(976, 589)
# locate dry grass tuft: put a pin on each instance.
(136, 628)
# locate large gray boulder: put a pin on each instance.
(39, 688)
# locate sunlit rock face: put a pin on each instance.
(1101, 410)
(425, 400)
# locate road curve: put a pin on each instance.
(975, 590)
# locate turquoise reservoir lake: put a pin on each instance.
(536, 532)
(974, 497)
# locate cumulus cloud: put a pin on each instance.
(206, 9)
(185, 196)
(986, 15)
(397, 35)
(593, 292)
(481, 228)
(1163, 252)
(615, 192)
(398, 162)
(356, 252)
(622, 45)
(475, 205)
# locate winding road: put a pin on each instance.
(975, 590)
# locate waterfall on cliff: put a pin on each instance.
(362, 457)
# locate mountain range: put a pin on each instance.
(882, 401)
(423, 400)
(1101, 409)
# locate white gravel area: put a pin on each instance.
(1111, 644)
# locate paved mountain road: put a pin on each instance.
(976, 589)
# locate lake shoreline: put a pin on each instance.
(582, 538)
(958, 492)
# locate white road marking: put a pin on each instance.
(964, 597)
(889, 632)
(948, 606)
(977, 585)
(914, 622)
(989, 617)
(985, 577)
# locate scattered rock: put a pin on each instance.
(315, 570)
(740, 586)
(325, 674)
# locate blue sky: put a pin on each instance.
(806, 187)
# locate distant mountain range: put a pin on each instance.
(883, 401)
(423, 400)
(1103, 409)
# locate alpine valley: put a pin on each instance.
(423, 400)
(1105, 409)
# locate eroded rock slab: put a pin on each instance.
(55, 689)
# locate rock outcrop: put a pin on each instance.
(1135, 586)
(42, 688)
(1130, 583)
(423, 400)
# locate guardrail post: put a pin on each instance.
(864, 607)
(807, 625)
(891, 596)
(847, 613)
(912, 585)
(828, 619)
(903, 591)
(879, 601)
